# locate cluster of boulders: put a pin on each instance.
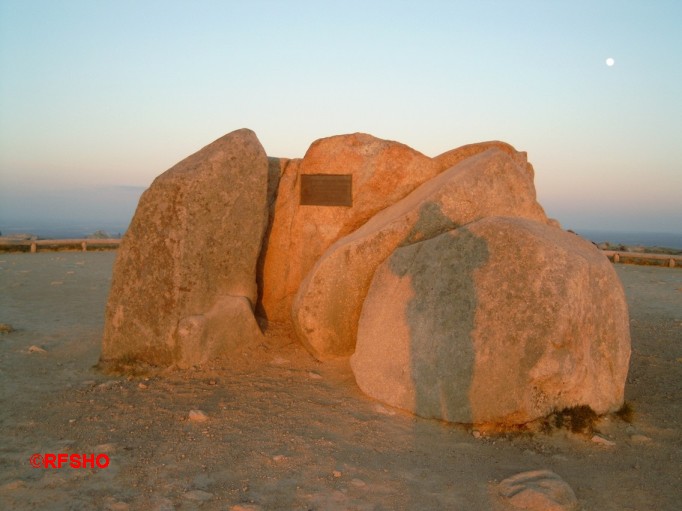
(443, 279)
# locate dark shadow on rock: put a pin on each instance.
(276, 168)
(441, 316)
(431, 223)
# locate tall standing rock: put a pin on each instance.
(184, 283)
(383, 172)
(499, 322)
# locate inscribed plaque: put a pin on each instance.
(327, 190)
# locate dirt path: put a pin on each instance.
(287, 433)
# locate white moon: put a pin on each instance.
(610, 62)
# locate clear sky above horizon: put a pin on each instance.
(99, 97)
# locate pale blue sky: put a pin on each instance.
(105, 94)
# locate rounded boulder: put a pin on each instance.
(500, 322)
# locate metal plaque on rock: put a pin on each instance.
(326, 190)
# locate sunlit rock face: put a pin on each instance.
(184, 282)
(496, 181)
(382, 173)
(501, 321)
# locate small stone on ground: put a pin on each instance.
(197, 416)
(537, 490)
(246, 507)
(198, 495)
(640, 439)
(600, 440)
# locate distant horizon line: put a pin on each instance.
(69, 224)
(66, 230)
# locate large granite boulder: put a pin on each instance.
(383, 172)
(184, 283)
(460, 299)
(493, 180)
(501, 321)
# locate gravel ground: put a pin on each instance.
(280, 431)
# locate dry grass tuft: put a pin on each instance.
(126, 366)
(577, 419)
(626, 413)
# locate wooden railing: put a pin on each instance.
(8, 245)
(618, 256)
